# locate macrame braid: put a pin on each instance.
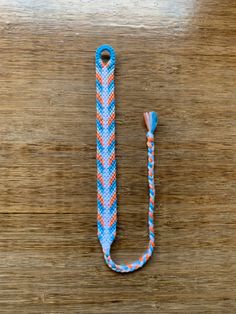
(106, 163)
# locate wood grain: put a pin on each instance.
(177, 57)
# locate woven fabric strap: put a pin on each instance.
(106, 163)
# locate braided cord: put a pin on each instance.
(106, 164)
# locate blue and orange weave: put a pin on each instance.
(106, 163)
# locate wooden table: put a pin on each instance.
(177, 57)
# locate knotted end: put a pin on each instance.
(151, 121)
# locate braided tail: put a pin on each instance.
(106, 164)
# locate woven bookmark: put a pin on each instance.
(106, 163)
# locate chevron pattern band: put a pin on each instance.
(106, 163)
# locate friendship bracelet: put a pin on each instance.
(106, 163)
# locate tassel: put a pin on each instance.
(151, 121)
